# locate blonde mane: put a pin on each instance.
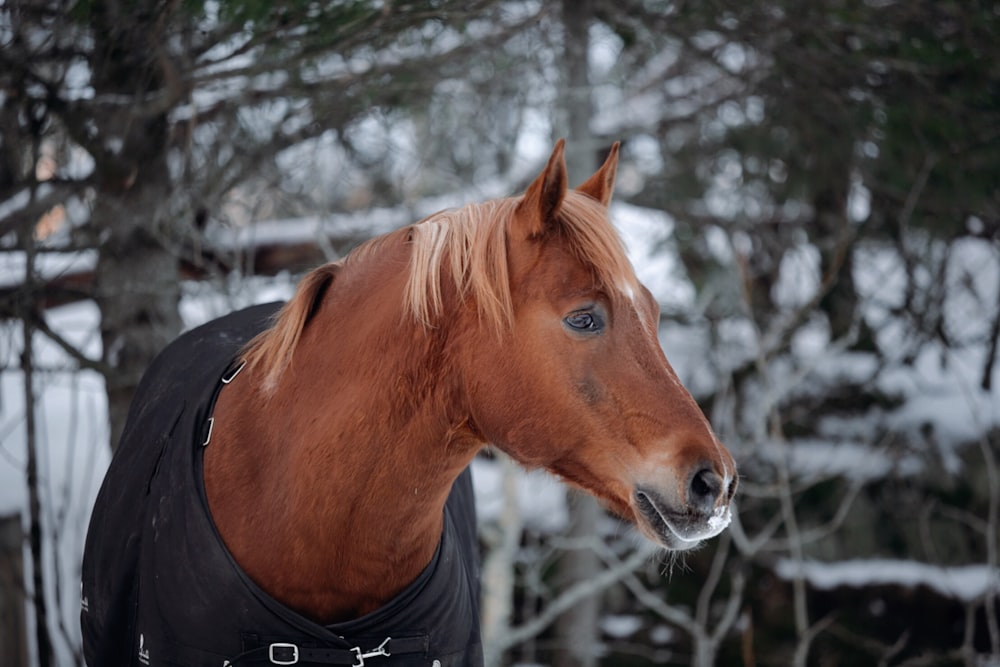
(471, 243)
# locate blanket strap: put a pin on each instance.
(287, 653)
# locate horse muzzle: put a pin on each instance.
(679, 524)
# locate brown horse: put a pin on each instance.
(517, 323)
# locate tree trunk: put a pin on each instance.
(577, 631)
(137, 291)
(840, 303)
(498, 573)
(13, 626)
(137, 281)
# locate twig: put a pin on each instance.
(83, 360)
(712, 580)
(574, 594)
(807, 637)
(819, 532)
(986, 383)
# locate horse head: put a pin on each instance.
(577, 382)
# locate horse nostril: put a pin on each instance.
(704, 489)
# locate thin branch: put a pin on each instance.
(83, 360)
(986, 383)
(731, 613)
(807, 637)
(575, 594)
(708, 587)
(750, 547)
(809, 535)
(656, 604)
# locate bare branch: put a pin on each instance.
(574, 594)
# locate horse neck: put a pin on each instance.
(330, 490)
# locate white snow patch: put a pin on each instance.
(647, 235)
(72, 432)
(541, 497)
(204, 301)
(966, 582)
(621, 626)
(48, 265)
(942, 390)
(798, 277)
(662, 634)
(846, 367)
(819, 459)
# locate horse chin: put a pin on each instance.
(677, 530)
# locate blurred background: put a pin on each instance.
(810, 189)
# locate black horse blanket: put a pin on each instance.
(160, 588)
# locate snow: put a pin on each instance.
(48, 265)
(941, 390)
(965, 583)
(541, 497)
(812, 459)
(72, 431)
(720, 520)
(304, 230)
(646, 235)
(69, 408)
(201, 302)
(621, 626)
(798, 277)
(662, 634)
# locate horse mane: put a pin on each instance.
(471, 243)
(271, 350)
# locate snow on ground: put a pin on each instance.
(72, 431)
(71, 414)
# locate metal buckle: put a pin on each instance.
(208, 436)
(275, 660)
(374, 653)
(226, 379)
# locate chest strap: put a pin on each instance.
(287, 653)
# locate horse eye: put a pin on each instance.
(584, 321)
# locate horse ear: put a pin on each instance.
(601, 185)
(542, 199)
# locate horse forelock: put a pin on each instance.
(596, 243)
(472, 244)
